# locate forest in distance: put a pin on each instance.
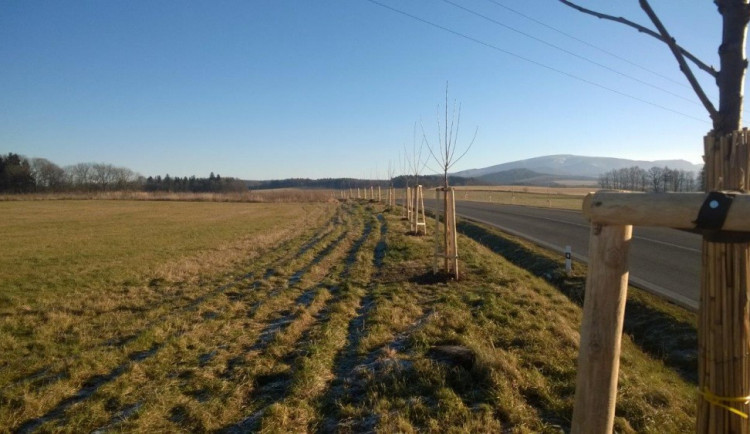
(19, 174)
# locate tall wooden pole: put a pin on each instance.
(453, 234)
(601, 329)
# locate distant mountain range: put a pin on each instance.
(528, 177)
(545, 169)
(552, 170)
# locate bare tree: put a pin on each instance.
(723, 355)
(416, 160)
(79, 174)
(416, 163)
(48, 175)
(444, 153)
(391, 190)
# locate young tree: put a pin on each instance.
(415, 163)
(724, 356)
(444, 155)
(391, 189)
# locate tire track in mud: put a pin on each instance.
(45, 376)
(346, 359)
(347, 387)
(305, 299)
(275, 387)
(92, 384)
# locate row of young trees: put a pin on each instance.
(656, 179)
(22, 175)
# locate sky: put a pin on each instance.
(270, 89)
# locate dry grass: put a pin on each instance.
(257, 196)
(558, 197)
(568, 191)
(337, 327)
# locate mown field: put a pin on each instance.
(236, 317)
(558, 197)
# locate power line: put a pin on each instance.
(585, 42)
(586, 59)
(534, 62)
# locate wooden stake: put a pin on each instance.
(601, 329)
(453, 250)
(419, 215)
(409, 207)
(439, 251)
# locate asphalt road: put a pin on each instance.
(662, 261)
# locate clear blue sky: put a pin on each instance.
(262, 89)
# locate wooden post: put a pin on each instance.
(409, 205)
(424, 217)
(601, 329)
(438, 246)
(724, 314)
(419, 215)
(450, 221)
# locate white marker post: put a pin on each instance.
(568, 261)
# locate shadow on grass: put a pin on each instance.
(662, 336)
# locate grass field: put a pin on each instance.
(558, 197)
(168, 317)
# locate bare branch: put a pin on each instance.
(680, 58)
(458, 125)
(700, 64)
(467, 149)
(429, 147)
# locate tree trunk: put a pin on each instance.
(731, 77)
(446, 231)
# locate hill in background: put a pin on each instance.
(551, 170)
(572, 166)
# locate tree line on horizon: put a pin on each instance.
(19, 174)
(427, 181)
(655, 179)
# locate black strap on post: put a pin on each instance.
(711, 218)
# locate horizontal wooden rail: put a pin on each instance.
(672, 210)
